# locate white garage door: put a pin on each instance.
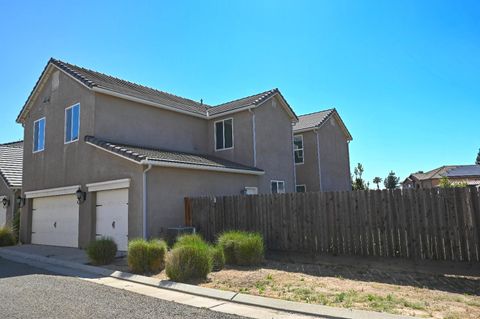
(55, 221)
(112, 216)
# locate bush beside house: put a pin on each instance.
(146, 257)
(102, 251)
(7, 238)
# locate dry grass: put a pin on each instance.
(297, 283)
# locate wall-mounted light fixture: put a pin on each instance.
(5, 202)
(21, 201)
(81, 196)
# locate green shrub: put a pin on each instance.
(242, 248)
(146, 257)
(6, 237)
(188, 262)
(190, 240)
(102, 251)
(218, 257)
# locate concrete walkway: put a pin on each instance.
(71, 262)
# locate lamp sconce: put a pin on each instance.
(5, 202)
(21, 201)
(81, 196)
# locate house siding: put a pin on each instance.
(11, 194)
(307, 173)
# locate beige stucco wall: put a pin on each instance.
(307, 173)
(334, 157)
(11, 194)
(167, 188)
(119, 120)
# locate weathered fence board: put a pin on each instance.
(435, 224)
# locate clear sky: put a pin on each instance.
(404, 75)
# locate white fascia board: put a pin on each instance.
(146, 102)
(109, 185)
(202, 168)
(243, 108)
(52, 192)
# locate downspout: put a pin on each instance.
(318, 156)
(144, 221)
(254, 135)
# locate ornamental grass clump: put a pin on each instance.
(188, 262)
(102, 251)
(195, 240)
(242, 248)
(146, 257)
(7, 237)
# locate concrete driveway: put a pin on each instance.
(63, 253)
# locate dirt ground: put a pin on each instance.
(421, 294)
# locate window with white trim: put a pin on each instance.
(278, 187)
(72, 123)
(39, 135)
(298, 148)
(224, 134)
(301, 188)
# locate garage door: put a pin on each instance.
(55, 221)
(112, 216)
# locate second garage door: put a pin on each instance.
(112, 216)
(55, 221)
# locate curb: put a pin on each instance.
(251, 300)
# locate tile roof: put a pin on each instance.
(312, 120)
(11, 162)
(94, 79)
(453, 171)
(139, 154)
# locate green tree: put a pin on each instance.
(377, 180)
(446, 183)
(391, 181)
(478, 158)
(358, 183)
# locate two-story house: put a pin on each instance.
(322, 159)
(107, 157)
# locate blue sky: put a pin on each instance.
(404, 75)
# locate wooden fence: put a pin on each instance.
(436, 224)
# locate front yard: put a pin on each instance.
(383, 289)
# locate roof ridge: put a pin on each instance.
(10, 143)
(331, 109)
(264, 93)
(123, 80)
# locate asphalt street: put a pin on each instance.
(28, 292)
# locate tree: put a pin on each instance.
(358, 183)
(391, 181)
(478, 158)
(377, 180)
(446, 183)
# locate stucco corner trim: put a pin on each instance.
(52, 192)
(109, 185)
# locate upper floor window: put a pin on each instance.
(298, 148)
(39, 135)
(72, 123)
(278, 187)
(224, 134)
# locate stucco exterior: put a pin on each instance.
(326, 149)
(12, 195)
(267, 147)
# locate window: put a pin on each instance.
(224, 134)
(298, 148)
(72, 123)
(39, 135)
(278, 187)
(301, 188)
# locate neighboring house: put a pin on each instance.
(322, 158)
(107, 157)
(10, 181)
(469, 174)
